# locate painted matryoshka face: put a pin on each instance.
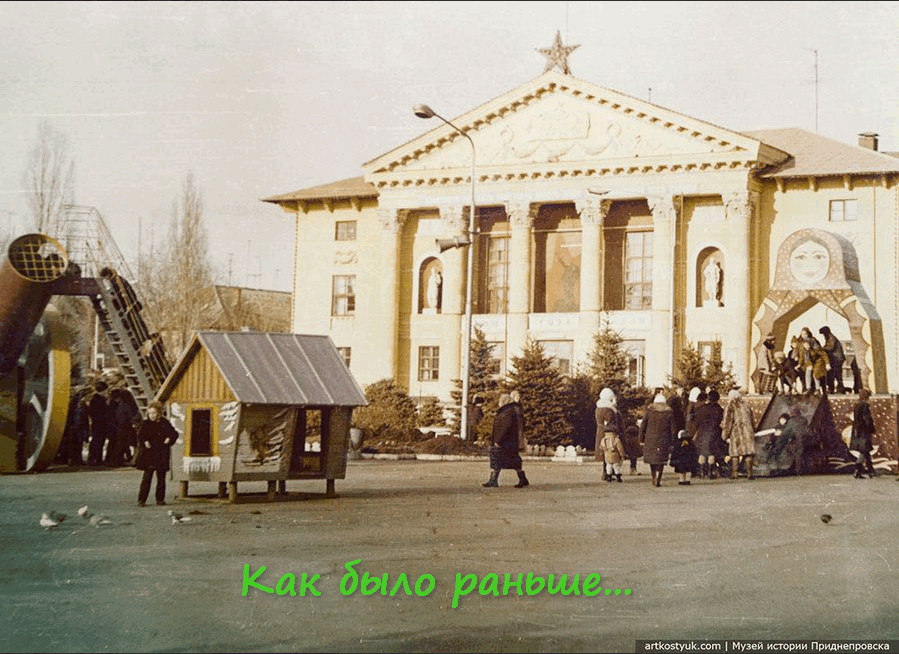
(809, 262)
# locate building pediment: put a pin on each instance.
(558, 125)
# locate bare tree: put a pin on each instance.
(49, 179)
(178, 282)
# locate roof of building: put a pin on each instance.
(816, 155)
(252, 308)
(354, 187)
(267, 368)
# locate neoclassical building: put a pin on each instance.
(592, 205)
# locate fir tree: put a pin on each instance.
(484, 383)
(608, 360)
(544, 397)
(719, 375)
(691, 367)
(390, 412)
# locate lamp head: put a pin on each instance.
(423, 111)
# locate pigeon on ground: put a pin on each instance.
(177, 518)
(47, 522)
(826, 517)
(59, 517)
(100, 520)
(84, 512)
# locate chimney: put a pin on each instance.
(868, 140)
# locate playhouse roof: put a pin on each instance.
(273, 368)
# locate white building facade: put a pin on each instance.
(594, 205)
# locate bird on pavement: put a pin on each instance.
(825, 518)
(47, 522)
(59, 517)
(177, 518)
(84, 512)
(100, 520)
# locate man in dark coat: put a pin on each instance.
(657, 432)
(862, 433)
(125, 413)
(836, 357)
(709, 445)
(97, 412)
(504, 452)
(155, 439)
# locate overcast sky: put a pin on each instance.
(259, 99)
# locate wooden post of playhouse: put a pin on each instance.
(329, 488)
(282, 487)
(270, 494)
(223, 489)
(232, 491)
(182, 491)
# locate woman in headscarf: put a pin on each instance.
(738, 430)
(504, 450)
(862, 434)
(707, 425)
(608, 420)
(657, 432)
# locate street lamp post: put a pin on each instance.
(424, 111)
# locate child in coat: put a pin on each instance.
(613, 453)
(684, 457)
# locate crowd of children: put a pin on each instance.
(810, 365)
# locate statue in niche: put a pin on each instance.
(435, 281)
(711, 275)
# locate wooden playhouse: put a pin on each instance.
(245, 405)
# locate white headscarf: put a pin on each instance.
(504, 399)
(735, 394)
(660, 397)
(607, 399)
(694, 394)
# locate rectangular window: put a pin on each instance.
(636, 360)
(428, 363)
(200, 432)
(638, 270)
(561, 352)
(345, 230)
(343, 296)
(345, 353)
(497, 274)
(498, 352)
(843, 210)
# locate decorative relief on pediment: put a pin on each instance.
(562, 128)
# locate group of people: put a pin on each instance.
(104, 415)
(810, 365)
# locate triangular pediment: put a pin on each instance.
(559, 121)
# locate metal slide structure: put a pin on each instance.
(35, 365)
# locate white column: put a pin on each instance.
(737, 297)
(454, 222)
(592, 212)
(386, 337)
(660, 349)
(521, 220)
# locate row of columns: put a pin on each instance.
(592, 212)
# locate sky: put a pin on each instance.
(259, 99)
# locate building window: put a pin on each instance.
(345, 230)
(498, 352)
(636, 361)
(428, 363)
(638, 270)
(561, 353)
(345, 353)
(497, 274)
(343, 297)
(843, 210)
